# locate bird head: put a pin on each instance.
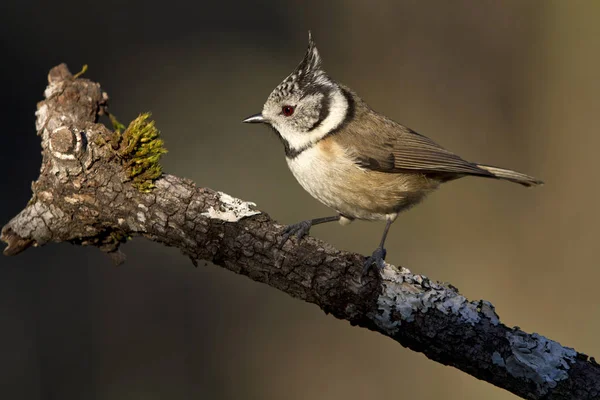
(306, 106)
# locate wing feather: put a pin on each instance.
(380, 144)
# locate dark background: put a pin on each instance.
(511, 83)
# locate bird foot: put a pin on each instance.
(377, 259)
(300, 230)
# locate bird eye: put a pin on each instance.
(287, 110)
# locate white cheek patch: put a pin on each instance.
(338, 109)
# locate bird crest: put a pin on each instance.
(308, 72)
(312, 59)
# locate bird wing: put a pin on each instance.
(380, 144)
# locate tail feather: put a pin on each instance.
(513, 176)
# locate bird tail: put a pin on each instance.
(513, 176)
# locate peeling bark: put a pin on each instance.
(85, 196)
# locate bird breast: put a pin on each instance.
(329, 174)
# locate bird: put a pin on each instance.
(356, 161)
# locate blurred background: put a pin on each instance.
(511, 83)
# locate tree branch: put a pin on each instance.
(100, 187)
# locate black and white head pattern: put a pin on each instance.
(308, 105)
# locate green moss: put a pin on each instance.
(99, 141)
(117, 126)
(117, 237)
(140, 148)
(83, 71)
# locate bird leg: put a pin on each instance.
(378, 257)
(302, 228)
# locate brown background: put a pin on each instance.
(511, 83)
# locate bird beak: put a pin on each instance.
(255, 119)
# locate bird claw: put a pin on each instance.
(377, 259)
(300, 230)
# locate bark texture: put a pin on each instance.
(87, 194)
